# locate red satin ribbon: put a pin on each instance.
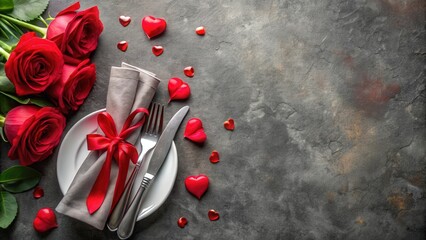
(117, 148)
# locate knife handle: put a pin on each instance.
(125, 229)
(119, 210)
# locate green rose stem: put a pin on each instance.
(2, 118)
(38, 29)
(4, 53)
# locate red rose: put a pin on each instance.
(34, 64)
(76, 33)
(76, 82)
(33, 132)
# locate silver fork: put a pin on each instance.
(150, 134)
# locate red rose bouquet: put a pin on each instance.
(45, 74)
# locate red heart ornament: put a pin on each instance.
(153, 26)
(194, 131)
(182, 222)
(213, 215)
(197, 185)
(122, 46)
(189, 71)
(45, 220)
(124, 20)
(229, 124)
(178, 89)
(157, 50)
(200, 30)
(38, 192)
(214, 157)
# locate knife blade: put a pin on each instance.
(159, 154)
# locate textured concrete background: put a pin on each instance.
(329, 103)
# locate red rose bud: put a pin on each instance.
(45, 220)
(73, 88)
(34, 64)
(33, 132)
(76, 33)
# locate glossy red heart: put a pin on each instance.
(194, 131)
(229, 124)
(182, 222)
(178, 89)
(157, 50)
(153, 26)
(197, 185)
(124, 20)
(214, 157)
(45, 220)
(122, 46)
(189, 71)
(38, 192)
(200, 30)
(213, 215)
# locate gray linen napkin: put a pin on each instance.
(129, 88)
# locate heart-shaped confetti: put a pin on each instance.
(124, 20)
(157, 50)
(213, 215)
(197, 185)
(122, 46)
(178, 89)
(194, 131)
(200, 31)
(229, 124)
(189, 71)
(38, 192)
(214, 157)
(182, 222)
(45, 220)
(153, 26)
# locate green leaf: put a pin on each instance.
(28, 10)
(6, 5)
(6, 85)
(8, 209)
(6, 104)
(19, 178)
(38, 101)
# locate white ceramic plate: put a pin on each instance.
(73, 151)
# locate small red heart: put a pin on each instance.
(213, 215)
(178, 89)
(200, 30)
(38, 192)
(194, 131)
(122, 46)
(197, 185)
(124, 20)
(45, 220)
(214, 157)
(229, 124)
(182, 222)
(157, 50)
(153, 26)
(189, 71)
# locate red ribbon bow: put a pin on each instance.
(117, 147)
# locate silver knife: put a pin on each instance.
(125, 229)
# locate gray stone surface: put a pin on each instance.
(329, 103)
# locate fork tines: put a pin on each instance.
(154, 124)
